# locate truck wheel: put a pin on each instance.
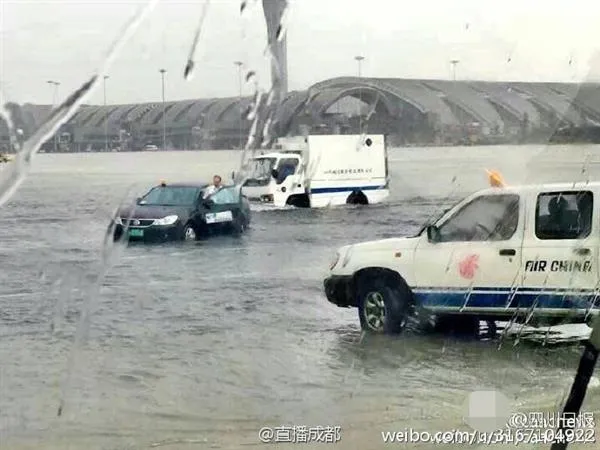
(357, 198)
(384, 304)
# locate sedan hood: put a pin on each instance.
(152, 212)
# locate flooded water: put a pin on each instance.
(201, 345)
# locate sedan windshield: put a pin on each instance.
(171, 196)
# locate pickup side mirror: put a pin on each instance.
(233, 174)
(207, 202)
(275, 173)
(433, 234)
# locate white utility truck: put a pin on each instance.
(320, 170)
(524, 253)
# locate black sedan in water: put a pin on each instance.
(180, 211)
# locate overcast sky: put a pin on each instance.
(65, 40)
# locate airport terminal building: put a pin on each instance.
(407, 111)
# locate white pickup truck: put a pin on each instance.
(524, 253)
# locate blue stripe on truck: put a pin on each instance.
(523, 298)
(331, 190)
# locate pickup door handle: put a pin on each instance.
(508, 252)
(582, 251)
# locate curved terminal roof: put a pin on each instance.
(543, 95)
(292, 106)
(234, 112)
(214, 115)
(585, 96)
(35, 115)
(448, 103)
(503, 97)
(154, 115)
(369, 85)
(120, 115)
(198, 112)
(468, 99)
(327, 97)
(410, 92)
(431, 102)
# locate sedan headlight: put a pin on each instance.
(118, 220)
(169, 220)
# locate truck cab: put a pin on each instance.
(276, 178)
(525, 253)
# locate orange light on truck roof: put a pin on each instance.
(495, 179)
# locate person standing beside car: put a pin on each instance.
(214, 187)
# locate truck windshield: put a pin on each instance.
(260, 168)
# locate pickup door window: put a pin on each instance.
(477, 261)
(560, 251)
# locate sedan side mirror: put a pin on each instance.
(233, 174)
(138, 200)
(433, 234)
(207, 203)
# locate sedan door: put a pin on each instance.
(224, 206)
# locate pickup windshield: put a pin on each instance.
(436, 218)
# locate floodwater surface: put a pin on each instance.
(201, 345)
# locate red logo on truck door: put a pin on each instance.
(468, 266)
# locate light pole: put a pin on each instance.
(239, 65)
(164, 133)
(454, 62)
(359, 59)
(55, 85)
(106, 118)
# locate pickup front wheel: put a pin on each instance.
(383, 304)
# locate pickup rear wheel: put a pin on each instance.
(384, 304)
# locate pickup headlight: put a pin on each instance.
(118, 220)
(169, 220)
(347, 255)
(334, 260)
